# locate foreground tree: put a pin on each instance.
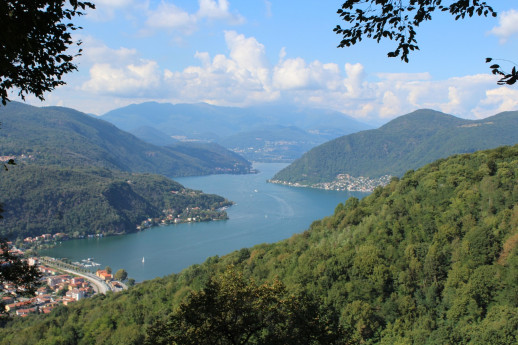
(17, 273)
(234, 310)
(398, 20)
(34, 40)
(14, 270)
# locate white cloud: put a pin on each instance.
(97, 52)
(291, 74)
(126, 81)
(113, 3)
(219, 9)
(390, 105)
(497, 100)
(171, 17)
(355, 76)
(249, 55)
(244, 76)
(508, 25)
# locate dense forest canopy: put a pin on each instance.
(78, 202)
(431, 258)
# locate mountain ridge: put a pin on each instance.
(63, 136)
(404, 143)
(226, 126)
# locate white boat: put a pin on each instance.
(143, 260)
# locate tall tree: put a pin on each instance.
(35, 37)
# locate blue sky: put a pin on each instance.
(241, 53)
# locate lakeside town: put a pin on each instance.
(344, 182)
(61, 283)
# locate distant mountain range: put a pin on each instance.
(407, 142)
(266, 133)
(66, 137)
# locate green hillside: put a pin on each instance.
(431, 258)
(406, 142)
(48, 199)
(65, 137)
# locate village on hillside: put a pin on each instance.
(61, 284)
(344, 182)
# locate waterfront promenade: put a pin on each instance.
(98, 284)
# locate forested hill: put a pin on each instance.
(431, 258)
(65, 137)
(407, 142)
(78, 202)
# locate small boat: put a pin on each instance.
(143, 260)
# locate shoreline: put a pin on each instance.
(343, 182)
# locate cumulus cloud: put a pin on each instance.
(244, 77)
(291, 74)
(507, 26)
(497, 100)
(126, 81)
(239, 78)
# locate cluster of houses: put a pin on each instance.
(354, 184)
(56, 289)
(344, 182)
(45, 238)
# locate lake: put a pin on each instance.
(263, 213)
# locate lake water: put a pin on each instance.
(264, 213)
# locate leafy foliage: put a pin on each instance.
(121, 275)
(13, 270)
(406, 142)
(508, 78)
(432, 258)
(398, 20)
(233, 310)
(34, 42)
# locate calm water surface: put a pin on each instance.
(263, 213)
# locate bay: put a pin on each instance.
(263, 213)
